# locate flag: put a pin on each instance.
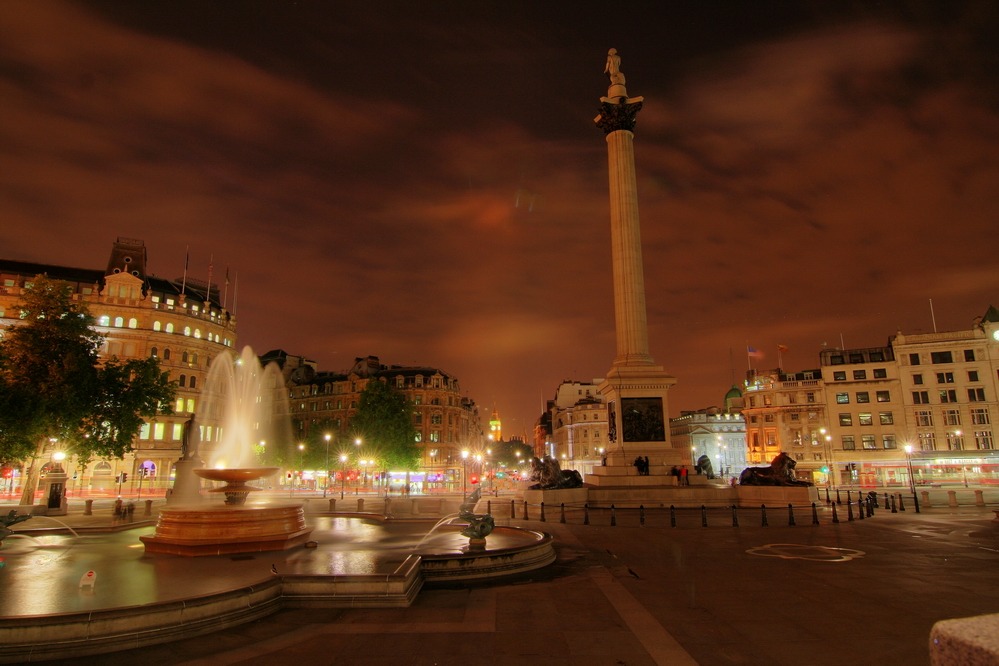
(782, 348)
(754, 353)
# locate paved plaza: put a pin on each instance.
(855, 592)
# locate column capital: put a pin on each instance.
(618, 113)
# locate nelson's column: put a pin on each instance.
(635, 389)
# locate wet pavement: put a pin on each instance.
(857, 592)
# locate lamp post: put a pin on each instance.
(343, 473)
(464, 473)
(326, 483)
(912, 480)
(301, 461)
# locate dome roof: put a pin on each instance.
(733, 392)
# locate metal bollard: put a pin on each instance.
(333, 505)
(704, 516)
(672, 516)
(513, 509)
(489, 507)
(763, 507)
(360, 504)
(815, 514)
(613, 516)
(586, 514)
(641, 515)
(835, 516)
(149, 508)
(790, 515)
(88, 507)
(828, 501)
(870, 508)
(901, 504)
(735, 516)
(542, 512)
(848, 497)
(915, 500)
(886, 502)
(849, 512)
(525, 510)
(838, 500)
(893, 508)
(561, 518)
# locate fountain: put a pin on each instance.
(238, 409)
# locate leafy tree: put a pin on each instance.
(384, 421)
(53, 385)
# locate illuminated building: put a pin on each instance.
(579, 426)
(183, 322)
(446, 423)
(718, 433)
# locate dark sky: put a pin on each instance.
(423, 181)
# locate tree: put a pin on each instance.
(384, 421)
(54, 386)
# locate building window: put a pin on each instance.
(169, 327)
(927, 441)
(768, 418)
(880, 373)
(983, 440)
(849, 444)
(948, 395)
(795, 416)
(842, 398)
(955, 442)
(972, 375)
(182, 381)
(839, 376)
(809, 397)
(883, 396)
(921, 397)
(860, 374)
(969, 354)
(980, 416)
(976, 395)
(945, 378)
(917, 379)
(952, 417)
(153, 352)
(913, 359)
(166, 354)
(846, 419)
(865, 418)
(867, 441)
(941, 357)
(888, 441)
(924, 419)
(886, 418)
(863, 396)
(836, 360)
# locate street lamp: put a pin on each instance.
(464, 473)
(343, 473)
(326, 484)
(301, 461)
(912, 480)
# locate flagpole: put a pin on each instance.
(208, 293)
(187, 260)
(225, 295)
(780, 360)
(235, 290)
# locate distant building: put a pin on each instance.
(578, 426)
(717, 433)
(183, 322)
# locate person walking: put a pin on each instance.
(684, 481)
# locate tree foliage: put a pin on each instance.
(53, 384)
(384, 421)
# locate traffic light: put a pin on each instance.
(124, 477)
(825, 470)
(474, 479)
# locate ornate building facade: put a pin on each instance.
(183, 322)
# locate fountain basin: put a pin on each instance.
(197, 530)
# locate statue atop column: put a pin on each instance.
(617, 110)
(190, 441)
(613, 68)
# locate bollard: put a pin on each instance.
(893, 508)
(848, 497)
(735, 517)
(901, 504)
(641, 515)
(586, 514)
(672, 516)
(790, 515)
(360, 505)
(835, 516)
(838, 500)
(525, 510)
(561, 517)
(513, 509)
(333, 505)
(952, 499)
(926, 497)
(979, 498)
(149, 508)
(88, 507)
(886, 502)
(860, 509)
(542, 512)
(763, 508)
(870, 508)
(704, 516)
(849, 512)
(489, 507)
(815, 514)
(915, 500)
(613, 516)
(828, 501)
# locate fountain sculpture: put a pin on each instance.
(239, 411)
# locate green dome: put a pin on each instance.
(733, 392)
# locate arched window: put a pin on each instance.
(183, 358)
(133, 323)
(194, 359)
(119, 322)
(157, 325)
(187, 331)
(194, 382)
(166, 354)
(169, 327)
(197, 333)
(104, 320)
(181, 381)
(152, 352)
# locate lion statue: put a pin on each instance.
(550, 476)
(704, 467)
(780, 473)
